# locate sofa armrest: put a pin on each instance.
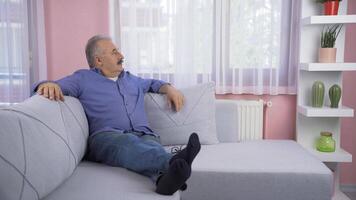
(226, 120)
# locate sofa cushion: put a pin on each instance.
(93, 181)
(258, 170)
(197, 115)
(41, 143)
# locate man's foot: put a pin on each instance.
(191, 151)
(178, 173)
(184, 187)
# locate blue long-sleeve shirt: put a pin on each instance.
(110, 105)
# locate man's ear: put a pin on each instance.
(98, 61)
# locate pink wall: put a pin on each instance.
(348, 125)
(69, 24)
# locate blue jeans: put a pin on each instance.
(137, 152)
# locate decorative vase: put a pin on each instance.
(334, 95)
(325, 143)
(327, 55)
(331, 7)
(318, 90)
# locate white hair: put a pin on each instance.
(92, 49)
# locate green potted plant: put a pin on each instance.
(331, 7)
(327, 52)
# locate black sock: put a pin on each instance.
(178, 172)
(184, 187)
(193, 147)
(191, 151)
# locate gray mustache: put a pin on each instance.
(120, 61)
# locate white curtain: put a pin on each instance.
(37, 41)
(14, 54)
(22, 48)
(244, 46)
(258, 41)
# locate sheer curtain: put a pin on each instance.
(21, 46)
(258, 41)
(37, 41)
(243, 46)
(166, 39)
(14, 62)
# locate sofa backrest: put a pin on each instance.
(41, 143)
(226, 116)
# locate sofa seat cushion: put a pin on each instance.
(93, 181)
(258, 170)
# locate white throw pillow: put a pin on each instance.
(197, 115)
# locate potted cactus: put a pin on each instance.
(334, 95)
(331, 7)
(327, 52)
(318, 90)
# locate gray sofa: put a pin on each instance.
(42, 144)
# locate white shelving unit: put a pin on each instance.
(322, 67)
(330, 19)
(325, 111)
(311, 121)
(340, 155)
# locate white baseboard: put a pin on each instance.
(348, 187)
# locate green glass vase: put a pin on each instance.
(325, 143)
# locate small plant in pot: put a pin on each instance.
(331, 7)
(327, 52)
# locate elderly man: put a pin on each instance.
(113, 100)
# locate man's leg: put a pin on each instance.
(150, 138)
(146, 157)
(153, 139)
(129, 151)
(180, 165)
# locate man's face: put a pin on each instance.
(109, 59)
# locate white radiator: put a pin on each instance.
(239, 120)
(250, 120)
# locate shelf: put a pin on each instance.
(340, 195)
(329, 19)
(326, 111)
(340, 155)
(327, 66)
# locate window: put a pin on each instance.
(244, 46)
(255, 30)
(152, 32)
(14, 62)
(17, 40)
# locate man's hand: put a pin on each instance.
(174, 96)
(51, 91)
